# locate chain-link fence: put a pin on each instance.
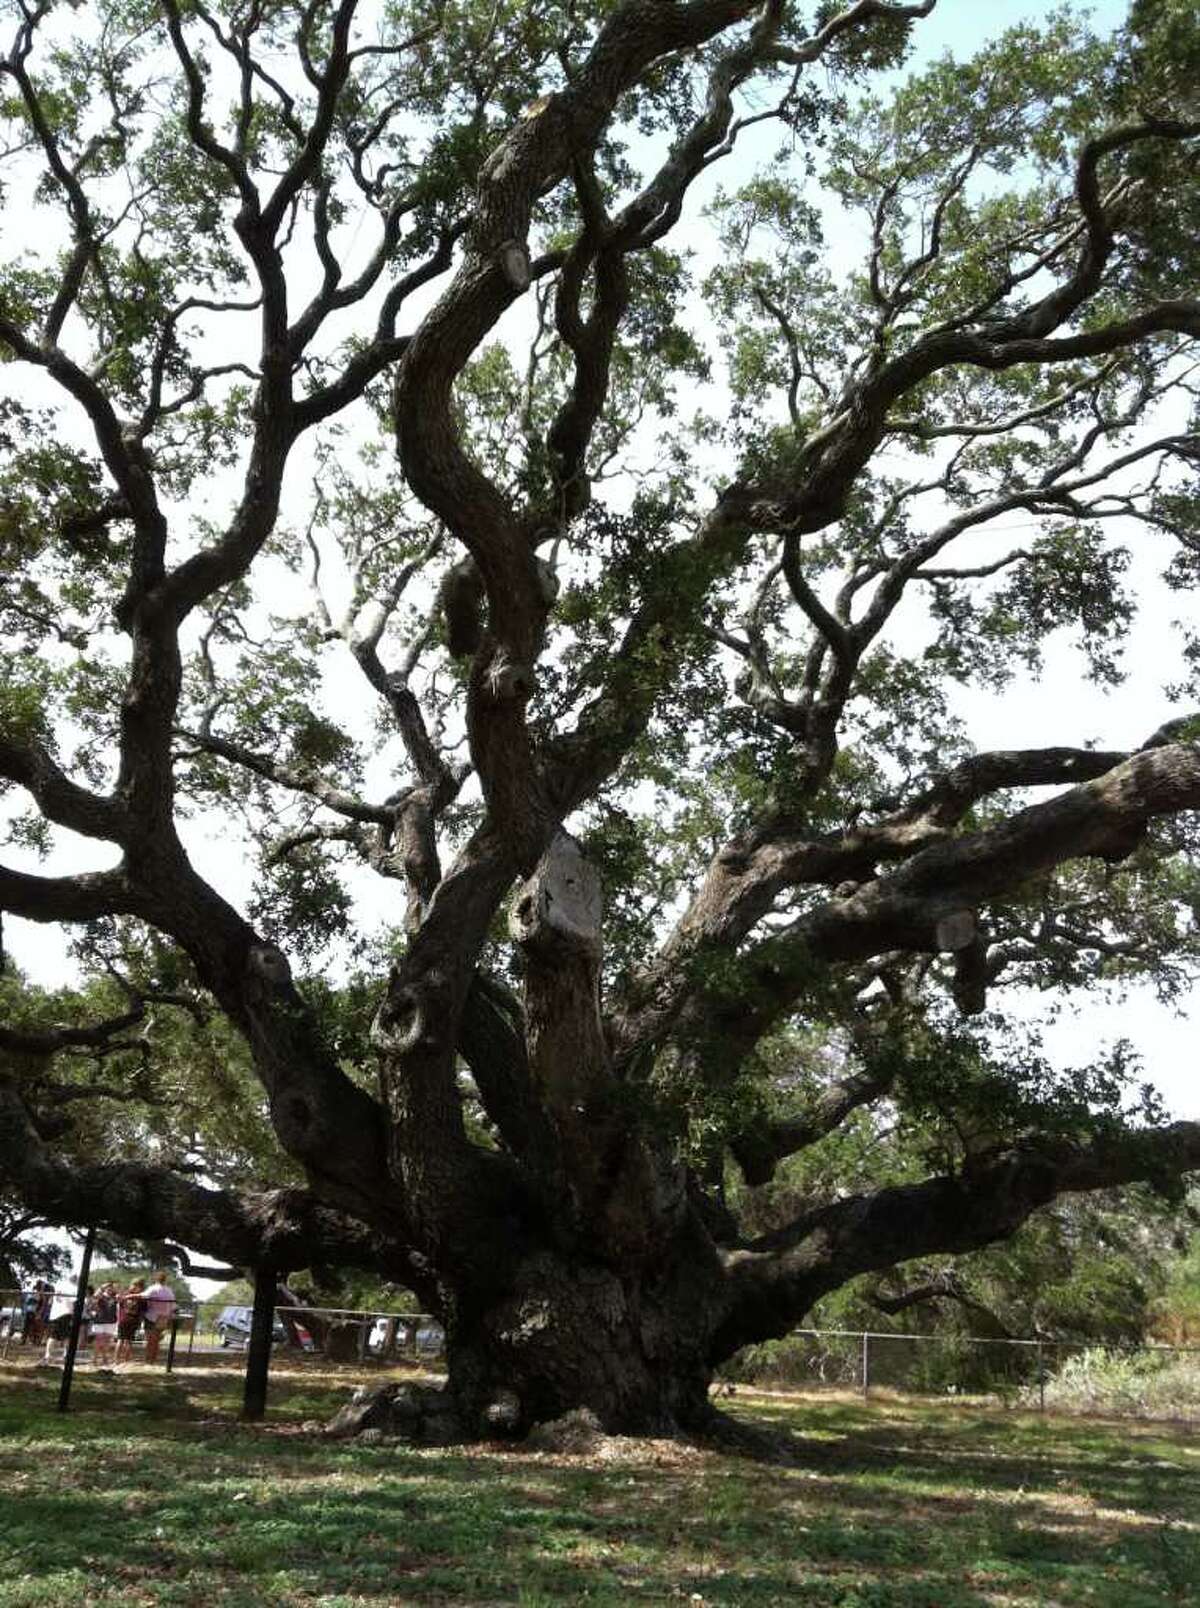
(1148, 1381)
(39, 1318)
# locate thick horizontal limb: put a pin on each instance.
(70, 898)
(774, 1281)
(901, 911)
(1102, 817)
(165, 1251)
(287, 1228)
(46, 1042)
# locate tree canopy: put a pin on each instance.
(530, 479)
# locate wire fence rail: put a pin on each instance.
(1143, 1380)
(1149, 1381)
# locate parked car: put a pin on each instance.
(233, 1326)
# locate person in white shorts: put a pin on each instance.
(104, 1324)
(59, 1327)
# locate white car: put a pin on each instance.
(430, 1339)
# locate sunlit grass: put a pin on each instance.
(150, 1491)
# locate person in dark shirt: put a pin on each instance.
(104, 1324)
(37, 1313)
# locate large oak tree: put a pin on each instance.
(654, 616)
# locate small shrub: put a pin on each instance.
(1147, 1384)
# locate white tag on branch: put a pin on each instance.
(562, 898)
(514, 262)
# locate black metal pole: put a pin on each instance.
(85, 1267)
(258, 1356)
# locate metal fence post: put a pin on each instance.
(85, 1267)
(258, 1352)
(18, 1303)
(866, 1366)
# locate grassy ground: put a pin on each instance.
(150, 1492)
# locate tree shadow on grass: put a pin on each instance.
(136, 1506)
(427, 1528)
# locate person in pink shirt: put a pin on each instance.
(160, 1309)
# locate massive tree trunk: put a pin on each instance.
(572, 1332)
(572, 1269)
(637, 1342)
(582, 1264)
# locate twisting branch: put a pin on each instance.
(285, 1228)
(833, 457)
(777, 1278)
(166, 344)
(321, 832)
(831, 630)
(589, 340)
(60, 799)
(66, 174)
(46, 1042)
(759, 1150)
(298, 779)
(1013, 421)
(199, 131)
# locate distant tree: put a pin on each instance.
(237, 1292)
(1177, 1308)
(25, 1256)
(715, 631)
(1086, 1271)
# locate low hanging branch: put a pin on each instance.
(288, 1228)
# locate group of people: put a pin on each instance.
(111, 1318)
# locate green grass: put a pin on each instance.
(149, 1491)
